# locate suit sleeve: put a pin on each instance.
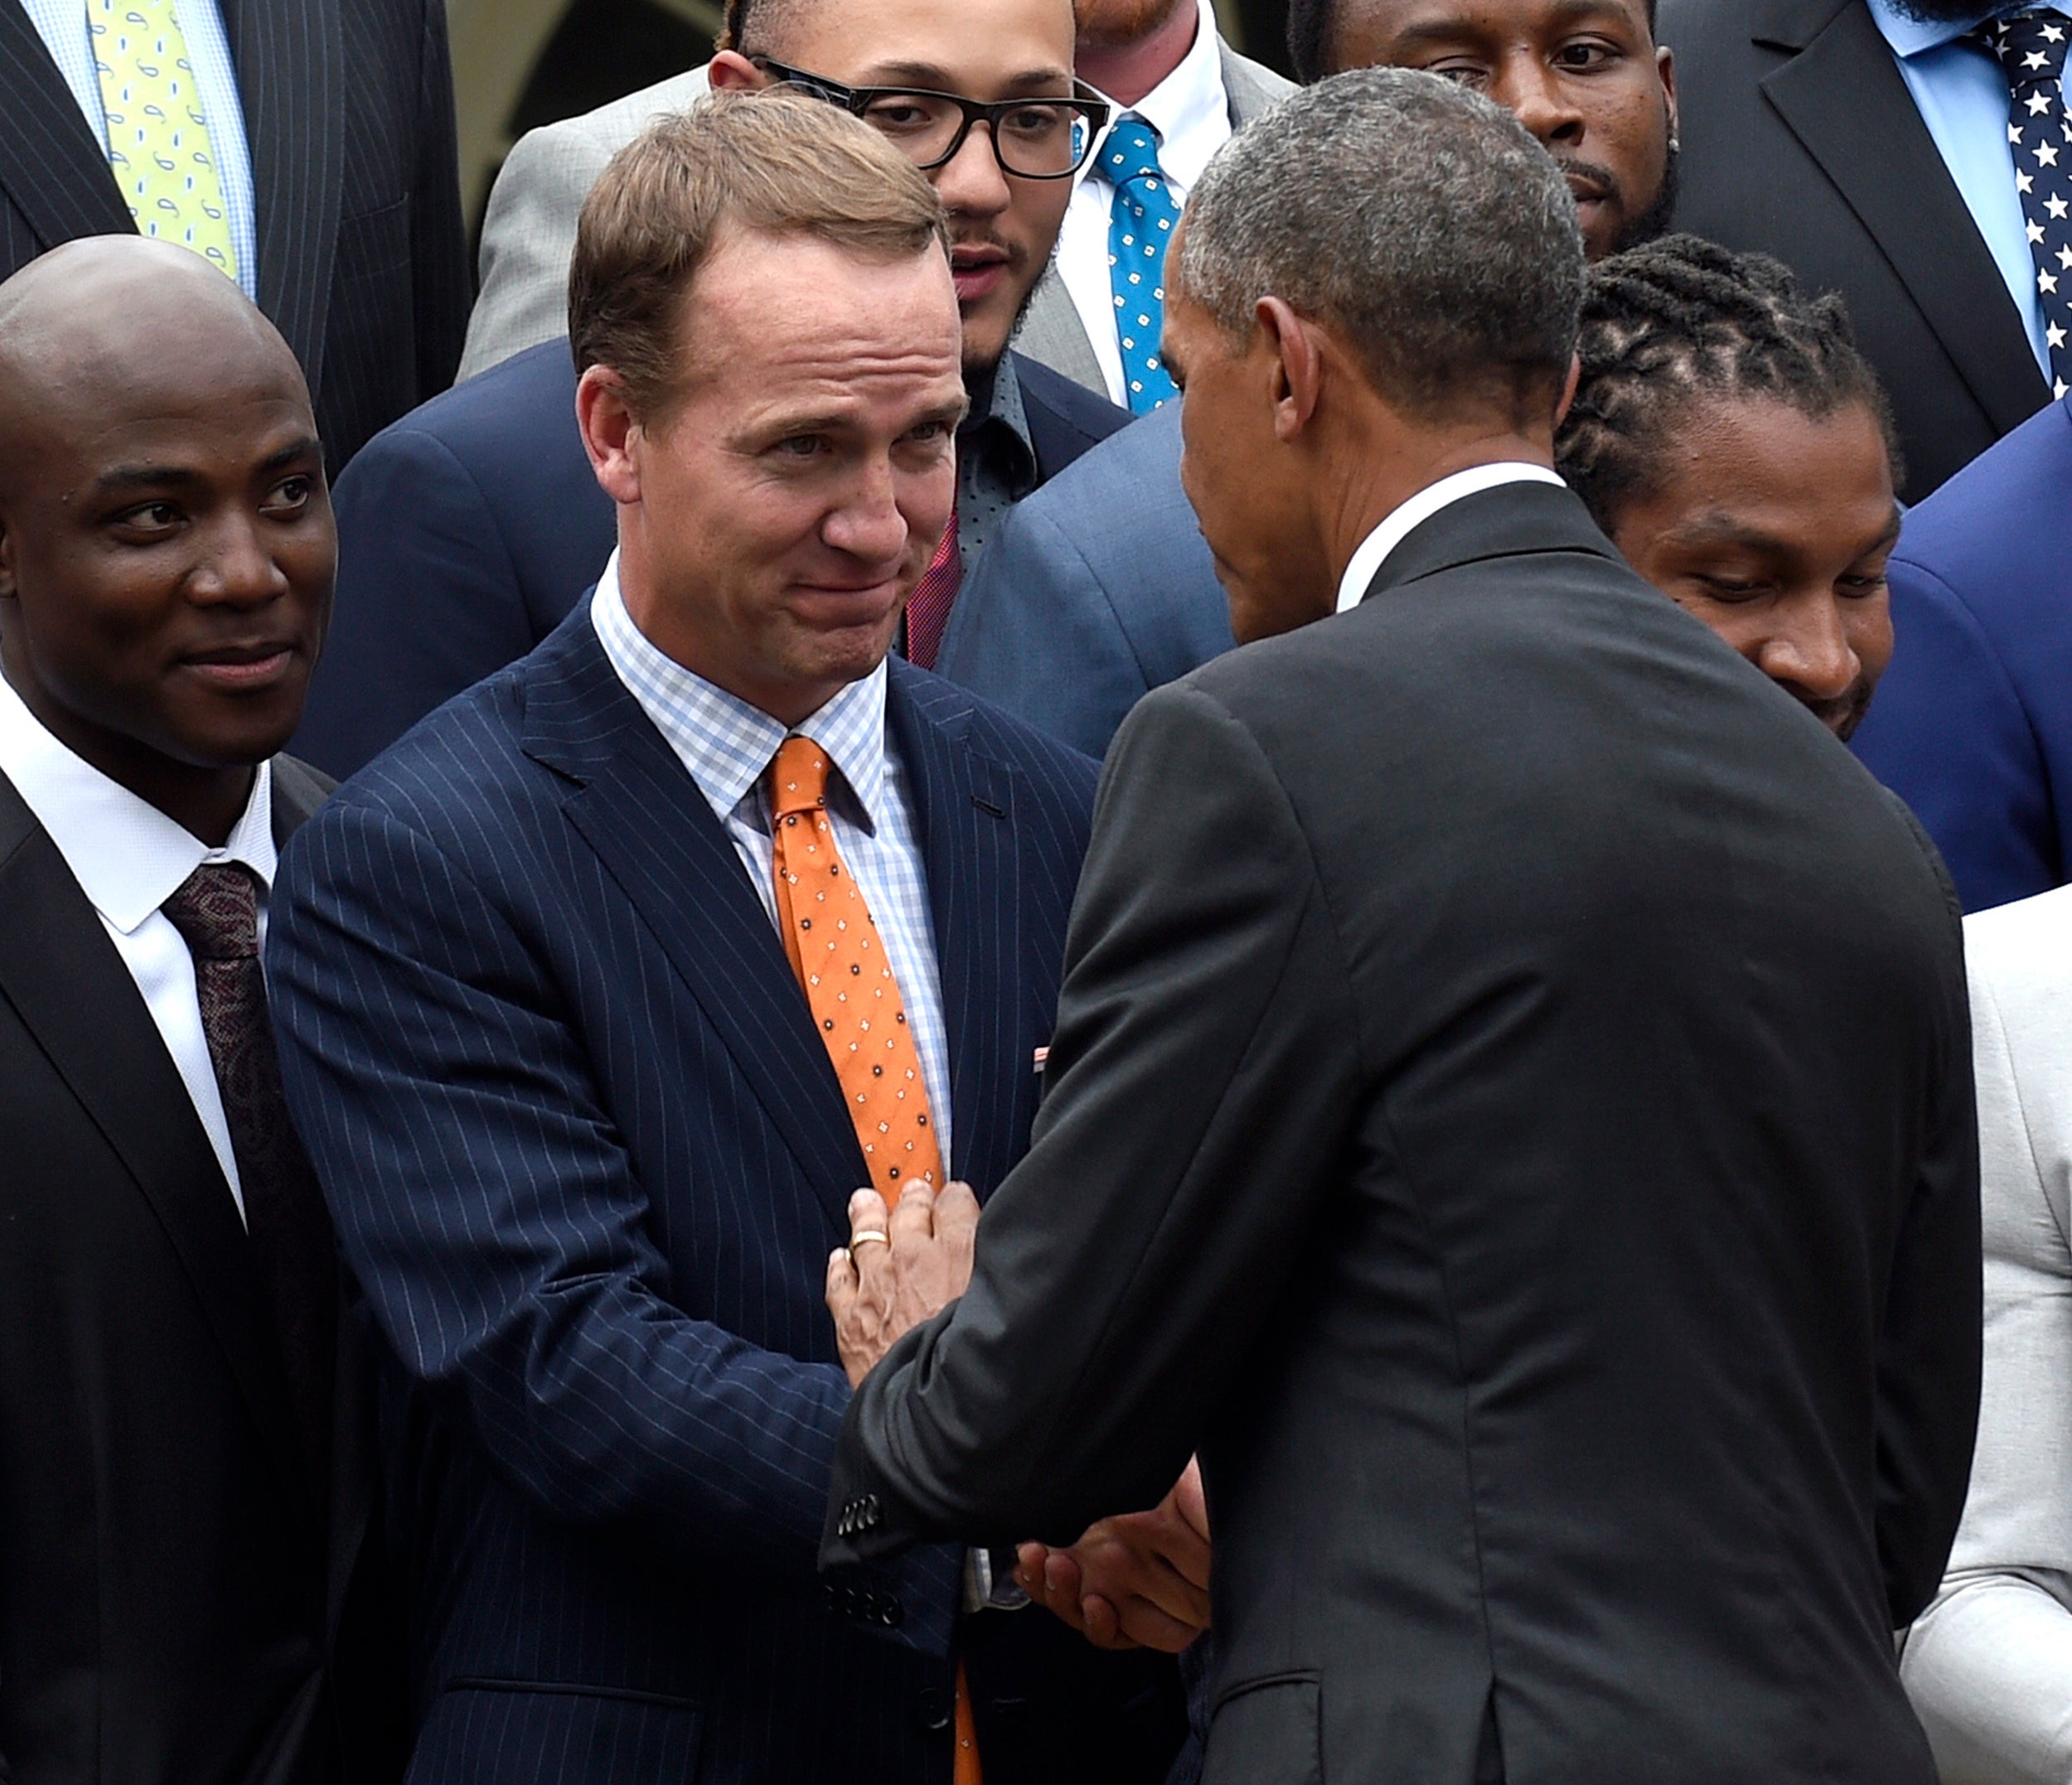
(528, 239)
(443, 284)
(1948, 734)
(1928, 1353)
(494, 1221)
(1208, 1068)
(429, 601)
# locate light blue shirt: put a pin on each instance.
(1962, 95)
(63, 25)
(727, 745)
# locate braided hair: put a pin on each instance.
(1667, 324)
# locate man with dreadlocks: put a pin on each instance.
(1734, 444)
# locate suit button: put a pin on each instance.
(869, 1513)
(891, 1614)
(933, 1709)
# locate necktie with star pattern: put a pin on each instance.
(2031, 48)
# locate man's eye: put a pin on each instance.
(1573, 56)
(800, 446)
(1036, 123)
(290, 496)
(1873, 583)
(929, 432)
(1728, 589)
(1465, 74)
(151, 517)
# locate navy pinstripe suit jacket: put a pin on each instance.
(588, 1158)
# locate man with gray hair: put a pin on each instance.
(1509, 1108)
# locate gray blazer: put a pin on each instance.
(1989, 1664)
(529, 231)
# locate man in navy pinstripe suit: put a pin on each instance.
(582, 1121)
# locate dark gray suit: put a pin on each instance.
(1511, 1111)
(1800, 139)
(349, 111)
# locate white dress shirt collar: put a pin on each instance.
(1397, 525)
(1189, 109)
(1907, 35)
(725, 744)
(127, 855)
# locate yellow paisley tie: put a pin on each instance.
(157, 137)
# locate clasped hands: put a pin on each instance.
(1138, 1580)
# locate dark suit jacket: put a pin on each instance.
(168, 1602)
(466, 531)
(349, 111)
(1800, 139)
(1512, 1111)
(1095, 590)
(588, 1157)
(1973, 723)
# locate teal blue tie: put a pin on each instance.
(1140, 226)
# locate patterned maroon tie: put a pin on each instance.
(216, 912)
(928, 608)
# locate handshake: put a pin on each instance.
(1139, 1580)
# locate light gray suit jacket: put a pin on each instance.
(529, 231)
(1989, 1664)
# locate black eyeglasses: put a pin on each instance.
(1032, 139)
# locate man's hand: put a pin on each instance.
(898, 1270)
(1139, 1581)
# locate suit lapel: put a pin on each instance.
(61, 974)
(965, 808)
(51, 163)
(1052, 333)
(290, 77)
(1894, 181)
(639, 810)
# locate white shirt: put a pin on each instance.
(1191, 112)
(726, 744)
(129, 859)
(1398, 524)
(62, 26)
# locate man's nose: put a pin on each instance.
(970, 182)
(237, 566)
(1809, 649)
(1527, 87)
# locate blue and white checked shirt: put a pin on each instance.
(727, 745)
(62, 25)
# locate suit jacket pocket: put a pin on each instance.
(521, 1732)
(376, 241)
(1267, 1732)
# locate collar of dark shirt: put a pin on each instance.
(994, 441)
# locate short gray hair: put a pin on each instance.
(1418, 219)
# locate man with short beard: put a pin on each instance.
(1084, 604)
(474, 523)
(1912, 155)
(1183, 90)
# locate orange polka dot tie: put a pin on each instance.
(841, 962)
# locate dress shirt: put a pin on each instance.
(727, 745)
(1191, 112)
(62, 25)
(1961, 92)
(996, 461)
(129, 859)
(1397, 526)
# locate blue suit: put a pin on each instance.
(1972, 723)
(587, 1158)
(1096, 590)
(467, 530)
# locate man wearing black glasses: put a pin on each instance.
(474, 523)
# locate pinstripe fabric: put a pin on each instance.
(361, 258)
(587, 1158)
(62, 24)
(726, 745)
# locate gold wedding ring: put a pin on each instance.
(869, 1234)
